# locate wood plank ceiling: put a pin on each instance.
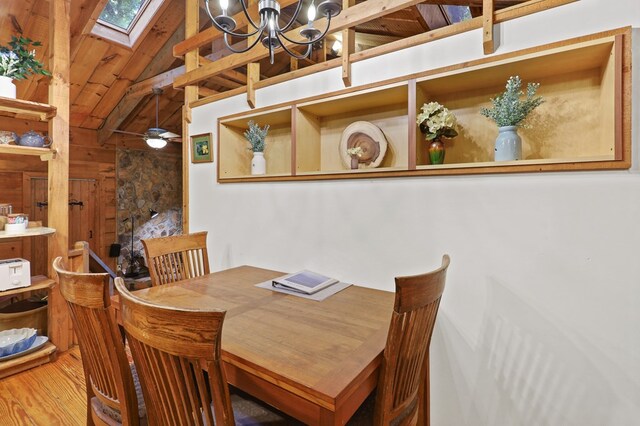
(103, 73)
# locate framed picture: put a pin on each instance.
(201, 151)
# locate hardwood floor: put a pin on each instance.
(53, 394)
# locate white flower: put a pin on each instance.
(356, 150)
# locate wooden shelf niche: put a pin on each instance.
(584, 123)
(234, 147)
(576, 123)
(320, 124)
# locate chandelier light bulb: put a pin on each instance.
(337, 45)
(224, 4)
(311, 13)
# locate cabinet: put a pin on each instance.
(38, 283)
(584, 123)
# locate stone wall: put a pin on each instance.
(147, 180)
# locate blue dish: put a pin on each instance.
(37, 344)
(16, 340)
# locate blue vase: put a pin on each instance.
(508, 144)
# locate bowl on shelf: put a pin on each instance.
(16, 340)
(15, 227)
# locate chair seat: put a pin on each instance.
(112, 416)
(249, 411)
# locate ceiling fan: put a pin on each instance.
(155, 137)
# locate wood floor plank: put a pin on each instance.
(53, 394)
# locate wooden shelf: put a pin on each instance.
(583, 124)
(44, 153)
(42, 356)
(39, 282)
(43, 112)
(29, 232)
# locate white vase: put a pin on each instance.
(508, 144)
(7, 88)
(258, 164)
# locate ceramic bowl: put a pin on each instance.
(15, 227)
(16, 340)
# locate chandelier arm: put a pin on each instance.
(294, 17)
(246, 13)
(291, 52)
(226, 31)
(310, 42)
(249, 47)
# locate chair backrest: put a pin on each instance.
(105, 363)
(403, 382)
(170, 347)
(177, 257)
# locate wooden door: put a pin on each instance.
(82, 218)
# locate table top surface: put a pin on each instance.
(314, 349)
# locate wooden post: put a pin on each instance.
(191, 62)
(487, 27)
(348, 47)
(253, 71)
(59, 52)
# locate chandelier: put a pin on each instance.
(268, 30)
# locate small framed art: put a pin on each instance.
(201, 151)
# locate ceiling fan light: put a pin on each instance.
(156, 143)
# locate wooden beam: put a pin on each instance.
(355, 15)
(348, 46)
(253, 71)
(192, 62)
(163, 80)
(488, 44)
(58, 174)
(205, 91)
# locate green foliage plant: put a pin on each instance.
(256, 136)
(508, 109)
(18, 62)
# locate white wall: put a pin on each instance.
(540, 319)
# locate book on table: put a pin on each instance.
(303, 282)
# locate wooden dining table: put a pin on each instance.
(315, 361)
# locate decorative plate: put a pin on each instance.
(367, 136)
(37, 344)
(16, 340)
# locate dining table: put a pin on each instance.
(316, 361)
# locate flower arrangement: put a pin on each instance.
(356, 151)
(508, 109)
(18, 62)
(256, 136)
(436, 122)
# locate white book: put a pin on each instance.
(303, 282)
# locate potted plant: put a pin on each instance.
(17, 62)
(256, 136)
(355, 153)
(436, 122)
(510, 112)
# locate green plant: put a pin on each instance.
(17, 61)
(436, 122)
(508, 109)
(256, 136)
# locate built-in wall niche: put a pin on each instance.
(584, 124)
(576, 123)
(320, 126)
(234, 147)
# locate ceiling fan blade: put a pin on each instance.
(177, 140)
(126, 133)
(169, 135)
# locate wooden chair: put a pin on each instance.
(403, 385)
(111, 392)
(176, 258)
(172, 347)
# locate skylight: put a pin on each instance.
(457, 13)
(122, 13)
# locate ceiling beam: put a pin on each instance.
(351, 17)
(488, 44)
